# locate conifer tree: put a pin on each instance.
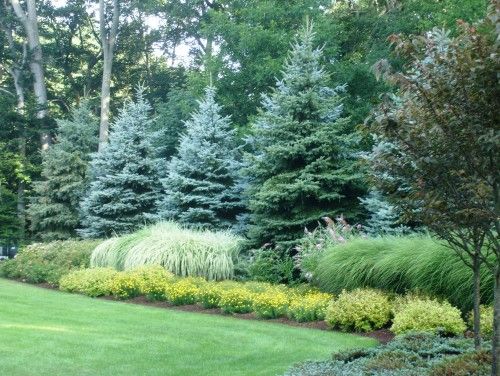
(302, 168)
(53, 211)
(201, 187)
(125, 183)
(384, 218)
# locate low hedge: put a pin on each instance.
(407, 355)
(399, 265)
(48, 262)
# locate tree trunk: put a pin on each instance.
(495, 369)
(30, 23)
(476, 267)
(108, 41)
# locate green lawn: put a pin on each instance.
(45, 332)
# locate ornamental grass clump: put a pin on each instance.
(270, 304)
(92, 282)
(428, 315)
(184, 252)
(237, 300)
(309, 307)
(361, 310)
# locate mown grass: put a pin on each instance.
(401, 264)
(47, 332)
(184, 252)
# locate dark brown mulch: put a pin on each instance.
(383, 335)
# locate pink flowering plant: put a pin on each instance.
(314, 243)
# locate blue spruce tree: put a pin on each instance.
(125, 184)
(303, 165)
(53, 211)
(201, 187)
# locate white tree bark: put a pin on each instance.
(16, 73)
(29, 21)
(108, 41)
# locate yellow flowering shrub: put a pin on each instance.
(360, 310)
(92, 282)
(209, 294)
(270, 304)
(182, 291)
(153, 280)
(428, 315)
(236, 300)
(309, 307)
(486, 317)
(125, 285)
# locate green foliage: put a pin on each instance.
(412, 354)
(486, 319)
(427, 315)
(475, 363)
(182, 251)
(53, 211)
(92, 282)
(125, 182)
(359, 310)
(267, 265)
(201, 188)
(125, 285)
(302, 165)
(401, 264)
(48, 262)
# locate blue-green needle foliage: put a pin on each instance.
(125, 185)
(201, 187)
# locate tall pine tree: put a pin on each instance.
(125, 183)
(302, 168)
(201, 187)
(53, 211)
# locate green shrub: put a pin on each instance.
(413, 354)
(92, 282)
(48, 262)
(183, 252)
(475, 363)
(270, 265)
(486, 314)
(237, 300)
(428, 315)
(359, 310)
(311, 306)
(400, 264)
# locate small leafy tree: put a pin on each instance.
(201, 187)
(302, 168)
(125, 184)
(54, 207)
(443, 166)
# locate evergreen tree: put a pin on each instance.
(384, 218)
(53, 211)
(201, 187)
(303, 166)
(125, 184)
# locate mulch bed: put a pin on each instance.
(383, 335)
